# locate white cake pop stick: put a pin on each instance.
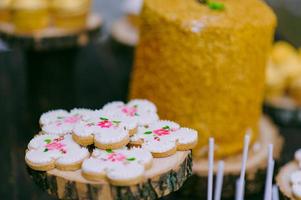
(269, 177)
(219, 181)
(275, 193)
(210, 168)
(237, 185)
(241, 183)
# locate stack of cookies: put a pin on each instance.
(117, 143)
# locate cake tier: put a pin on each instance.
(205, 68)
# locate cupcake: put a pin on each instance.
(70, 14)
(289, 178)
(30, 15)
(5, 10)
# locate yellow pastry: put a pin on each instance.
(204, 66)
(282, 51)
(295, 90)
(5, 14)
(276, 82)
(30, 15)
(299, 53)
(70, 14)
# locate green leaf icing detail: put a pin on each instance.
(166, 127)
(109, 150)
(131, 159)
(103, 118)
(148, 132)
(45, 150)
(116, 122)
(47, 141)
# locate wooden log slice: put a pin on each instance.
(124, 32)
(196, 186)
(284, 111)
(165, 176)
(52, 37)
(283, 180)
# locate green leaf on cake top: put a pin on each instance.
(213, 5)
(216, 5)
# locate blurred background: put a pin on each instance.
(35, 81)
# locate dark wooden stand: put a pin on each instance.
(165, 176)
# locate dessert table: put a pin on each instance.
(99, 73)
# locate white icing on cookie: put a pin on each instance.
(94, 166)
(60, 122)
(298, 155)
(110, 135)
(57, 128)
(104, 128)
(83, 129)
(141, 111)
(186, 136)
(296, 189)
(118, 165)
(46, 149)
(163, 136)
(85, 113)
(112, 106)
(296, 177)
(143, 105)
(126, 172)
(52, 115)
(159, 146)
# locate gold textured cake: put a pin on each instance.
(30, 15)
(70, 14)
(205, 67)
(5, 6)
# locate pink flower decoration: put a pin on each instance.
(72, 119)
(105, 124)
(116, 157)
(130, 111)
(161, 132)
(55, 146)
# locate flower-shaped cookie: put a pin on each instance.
(296, 183)
(121, 167)
(105, 131)
(61, 122)
(164, 138)
(143, 112)
(295, 178)
(48, 151)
